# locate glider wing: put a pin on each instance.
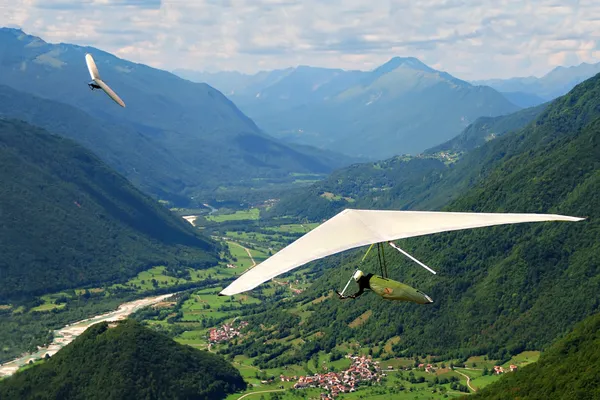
(94, 74)
(96, 78)
(355, 228)
(110, 92)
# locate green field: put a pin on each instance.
(294, 228)
(524, 358)
(241, 259)
(252, 214)
(206, 304)
(482, 381)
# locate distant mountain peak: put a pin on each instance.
(11, 30)
(397, 62)
(21, 35)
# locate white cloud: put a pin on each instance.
(472, 39)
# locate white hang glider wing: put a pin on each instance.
(355, 228)
(98, 83)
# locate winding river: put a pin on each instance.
(68, 333)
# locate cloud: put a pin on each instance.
(472, 39)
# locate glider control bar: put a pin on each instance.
(411, 257)
(363, 259)
(349, 280)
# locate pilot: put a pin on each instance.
(386, 288)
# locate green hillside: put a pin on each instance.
(384, 184)
(567, 370)
(426, 181)
(125, 362)
(485, 129)
(67, 219)
(498, 290)
(126, 150)
(174, 136)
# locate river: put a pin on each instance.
(68, 333)
(192, 218)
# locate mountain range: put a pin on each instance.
(403, 106)
(174, 137)
(498, 290)
(530, 91)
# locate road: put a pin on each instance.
(245, 248)
(468, 379)
(264, 391)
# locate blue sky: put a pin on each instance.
(471, 39)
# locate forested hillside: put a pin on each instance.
(426, 181)
(67, 219)
(128, 361)
(567, 370)
(498, 290)
(384, 184)
(485, 129)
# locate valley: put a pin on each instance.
(120, 226)
(197, 317)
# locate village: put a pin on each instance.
(225, 332)
(362, 369)
(500, 370)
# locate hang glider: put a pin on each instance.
(355, 228)
(98, 83)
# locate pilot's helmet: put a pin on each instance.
(357, 275)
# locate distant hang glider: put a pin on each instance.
(355, 228)
(98, 83)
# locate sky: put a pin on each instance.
(471, 39)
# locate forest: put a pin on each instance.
(567, 370)
(125, 360)
(68, 220)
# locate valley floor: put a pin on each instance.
(197, 317)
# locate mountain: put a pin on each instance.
(67, 219)
(555, 83)
(383, 184)
(224, 81)
(403, 106)
(485, 129)
(125, 360)
(179, 136)
(523, 99)
(498, 290)
(426, 181)
(230, 82)
(567, 370)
